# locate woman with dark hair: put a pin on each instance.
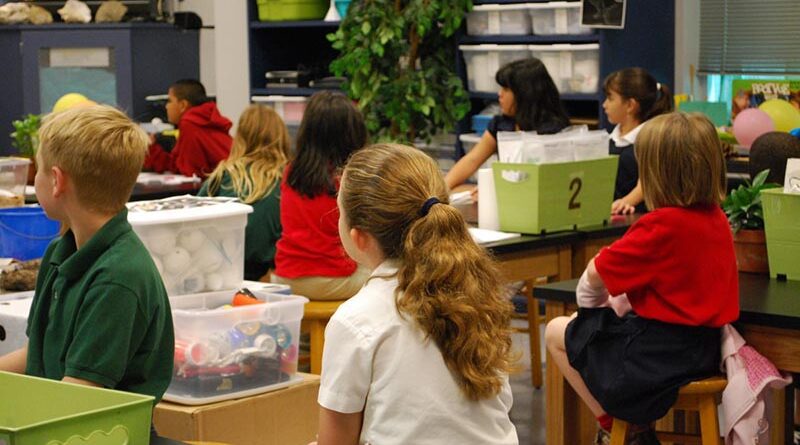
(310, 257)
(529, 101)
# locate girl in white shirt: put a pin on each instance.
(632, 97)
(421, 354)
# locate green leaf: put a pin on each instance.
(760, 178)
(366, 28)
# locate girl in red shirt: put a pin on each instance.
(310, 257)
(652, 303)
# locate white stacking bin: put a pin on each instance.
(557, 18)
(224, 352)
(196, 243)
(483, 61)
(575, 68)
(289, 108)
(499, 19)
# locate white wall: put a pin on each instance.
(687, 48)
(205, 9)
(224, 62)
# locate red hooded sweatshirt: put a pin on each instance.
(202, 143)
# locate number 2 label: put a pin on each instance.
(575, 187)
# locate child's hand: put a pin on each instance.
(620, 304)
(620, 207)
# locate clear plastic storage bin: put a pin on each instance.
(289, 108)
(483, 61)
(13, 177)
(224, 352)
(574, 68)
(557, 18)
(498, 19)
(196, 243)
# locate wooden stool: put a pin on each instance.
(316, 315)
(701, 396)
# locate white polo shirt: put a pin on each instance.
(376, 361)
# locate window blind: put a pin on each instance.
(749, 37)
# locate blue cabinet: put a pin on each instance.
(119, 64)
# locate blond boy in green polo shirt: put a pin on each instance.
(100, 315)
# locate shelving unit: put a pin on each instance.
(647, 41)
(288, 45)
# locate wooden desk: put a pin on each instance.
(532, 258)
(593, 238)
(147, 192)
(769, 321)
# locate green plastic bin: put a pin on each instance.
(35, 411)
(782, 227)
(282, 10)
(536, 198)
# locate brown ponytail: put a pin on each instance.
(447, 284)
(636, 83)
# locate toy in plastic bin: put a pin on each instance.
(227, 350)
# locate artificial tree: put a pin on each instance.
(399, 59)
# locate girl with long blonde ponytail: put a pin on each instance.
(253, 173)
(421, 354)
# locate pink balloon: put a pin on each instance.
(750, 124)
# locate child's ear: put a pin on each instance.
(183, 105)
(364, 241)
(632, 107)
(59, 179)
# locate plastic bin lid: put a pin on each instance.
(13, 162)
(492, 47)
(554, 5)
(469, 137)
(494, 7)
(565, 47)
(139, 215)
(278, 99)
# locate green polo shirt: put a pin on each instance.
(263, 228)
(101, 313)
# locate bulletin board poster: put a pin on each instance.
(751, 93)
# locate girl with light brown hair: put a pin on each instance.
(253, 173)
(421, 354)
(652, 303)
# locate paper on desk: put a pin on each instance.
(791, 183)
(482, 236)
(147, 178)
(461, 198)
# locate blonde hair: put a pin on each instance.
(100, 149)
(447, 283)
(262, 145)
(680, 161)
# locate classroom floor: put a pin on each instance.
(528, 410)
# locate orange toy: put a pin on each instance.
(244, 297)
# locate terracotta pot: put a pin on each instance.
(751, 251)
(32, 171)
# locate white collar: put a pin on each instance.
(388, 268)
(628, 139)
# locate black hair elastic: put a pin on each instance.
(427, 206)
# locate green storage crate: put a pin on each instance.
(35, 411)
(281, 10)
(782, 226)
(535, 198)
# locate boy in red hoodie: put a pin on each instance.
(203, 140)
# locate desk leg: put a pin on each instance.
(568, 420)
(533, 336)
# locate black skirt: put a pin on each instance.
(634, 366)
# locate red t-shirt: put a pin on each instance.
(309, 245)
(676, 265)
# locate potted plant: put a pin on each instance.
(26, 139)
(746, 218)
(398, 59)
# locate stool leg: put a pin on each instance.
(619, 431)
(316, 332)
(709, 425)
(533, 334)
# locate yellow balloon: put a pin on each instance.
(68, 101)
(785, 116)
